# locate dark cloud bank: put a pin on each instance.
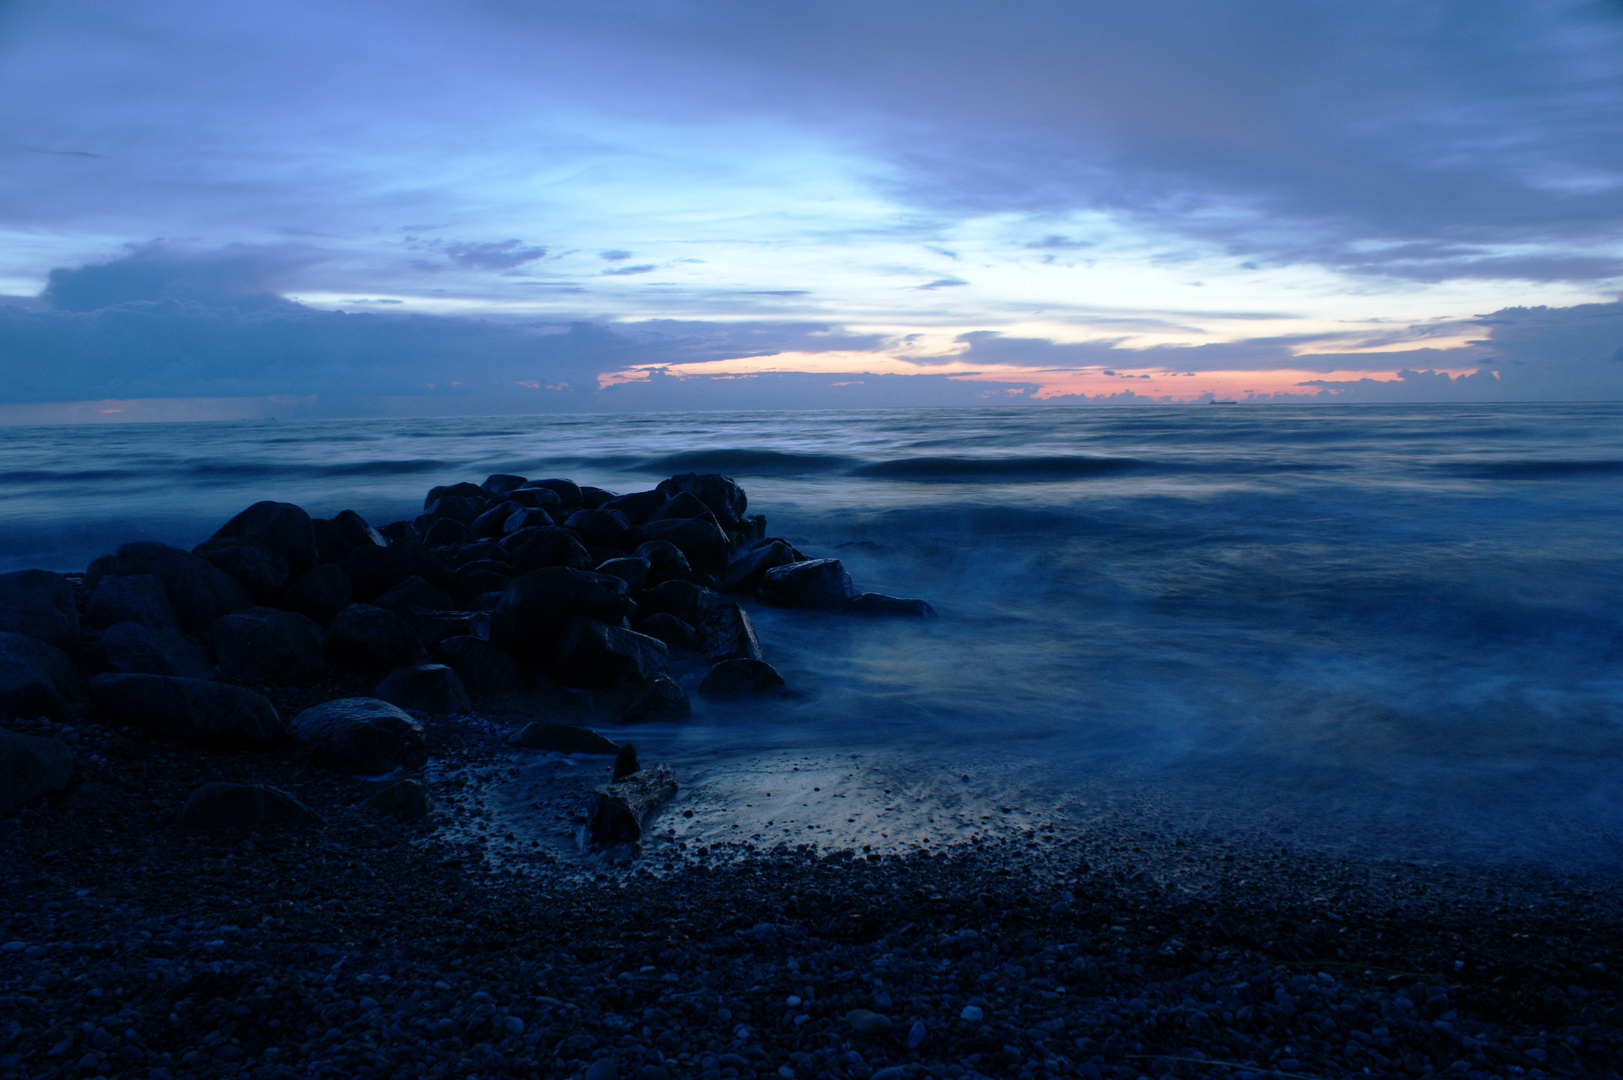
(159, 323)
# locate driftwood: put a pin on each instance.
(619, 809)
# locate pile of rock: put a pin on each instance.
(495, 589)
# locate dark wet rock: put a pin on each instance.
(628, 568)
(501, 483)
(357, 532)
(525, 520)
(691, 603)
(321, 594)
(658, 699)
(331, 547)
(682, 507)
(40, 604)
(433, 627)
(625, 763)
(665, 561)
(415, 592)
(373, 637)
(486, 601)
(727, 635)
(361, 735)
(133, 649)
(705, 545)
(373, 570)
(567, 491)
(596, 656)
(720, 494)
(551, 547)
(199, 591)
(186, 710)
(486, 671)
(878, 604)
(562, 739)
(814, 583)
(220, 806)
(263, 572)
(481, 579)
(463, 490)
(593, 498)
(396, 531)
(30, 766)
(407, 800)
(491, 521)
(638, 506)
(137, 598)
(426, 688)
(674, 632)
(536, 498)
(446, 532)
(745, 573)
(282, 527)
(535, 610)
(487, 553)
(36, 678)
(616, 816)
(263, 645)
(603, 529)
(740, 678)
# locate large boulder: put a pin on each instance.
(137, 598)
(628, 568)
(485, 670)
(878, 604)
(741, 678)
(603, 529)
(720, 494)
(132, 649)
(462, 490)
(263, 572)
(375, 570)
(745, 573)
(356, 532)
(674, 632)
(638, 506)
(563, 739)
(321, 594)
(219, 806)
(665, 561)
(30, 766)
(413, 593)
(568, 491)
(40, 604)
(362, 735)
(263, 645)
(426, 688)
(199, 591)
(501, 483)
(282, 527)
(186, 710)
(596, 656)
(535, 610)
(727, 635)
(814, 583)
(551, 547)
(373, 637)
(705, 544)
(691, 603)
(36, 679)
(650, 702)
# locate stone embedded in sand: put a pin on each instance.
(30, 766)
(40, 604)
(562, 739)
(867, 1022)
(426, 688)
(362, 735)
(372, 637)
(814, 583)
(220, 806)
(878, 604)
(263, 572)
(199, 591)
(138, 598)
(321, 594)
(619, 810)
(134, 649)
(282, 527)
(741, 678)
(36, 679)
(186, 710)
(263, 645)
(407, 800)
(727, 635)
(596, 656)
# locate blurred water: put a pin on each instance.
(1387, 629)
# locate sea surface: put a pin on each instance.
(1390, 631)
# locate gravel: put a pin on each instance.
(374, 946)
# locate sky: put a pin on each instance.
(274, 208)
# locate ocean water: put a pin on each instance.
(1393, 631)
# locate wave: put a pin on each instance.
(245, 469)
(1531, 470)
(745, 462)
(1008, 469)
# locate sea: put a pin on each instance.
(1386, 631)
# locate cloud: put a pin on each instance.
(496, 255)
(944, 283)
(160, 271)
(614, 255)
(626, 271)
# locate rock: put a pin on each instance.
(134, 649)
(282, 527)
(463, 490)
(36, 678)
(40, 604)
(489, 523)
(321, 594)
(602, 1069)
(625, 763)
(674, 632)
(619, 809)
(973, 1013)
(486, 670)
(461, 509)
(445, 533)
(372, 637)
(261, 571)
(878, 604)
(220, 806)
(727, 635)
(700, 539)
(535, 610)
(659, 700)
(867, 1022)
(665, 561)
(744, 573)
(562, 739)
(916, 1035)
(426, 688)
(596, 656)
(30, 766)
(356, 532)
(691, 603)
(501, 483)
(362, 735)
(331, 547)
(638, 506)
(568, 493)
(738, 678)
(682, 507)
(814, 583)
(263, 645)
(186, 710)
(720, 494)
(531, 517)
(603, 529)
(407, 800)
(629, 569)
(593, 498)
(137, 598)
(536, 498)
(412, 593)
(374, 570)
(199, 591)
(551, 547)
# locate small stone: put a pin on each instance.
(972, 1013)
(867, 1022)
(13, 946)
(602, 1069)
(513, 1024)
(916, 1035)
